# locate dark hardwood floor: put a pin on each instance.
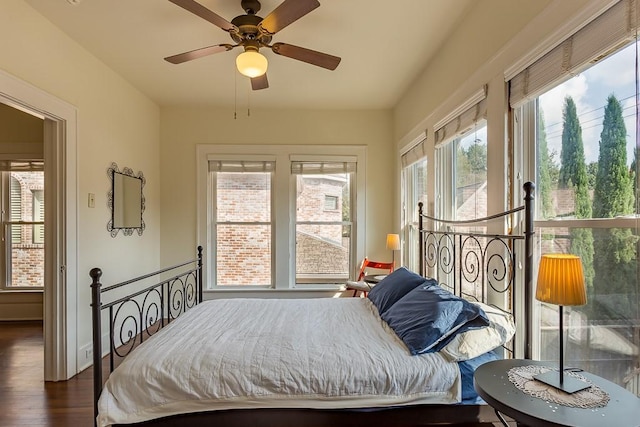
(26, 400)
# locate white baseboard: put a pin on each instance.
(21, 306)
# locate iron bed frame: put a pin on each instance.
(158, 304)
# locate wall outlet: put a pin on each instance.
(85, 356)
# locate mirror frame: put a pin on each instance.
(127, 231)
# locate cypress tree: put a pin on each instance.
(573, 174)
(615, 263)
(572, 163)
(633, 173)
(544, 169)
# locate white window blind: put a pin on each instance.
(15, 210)
(415, 153)
(241, 166)
(21, 165)
(463, 118)
(38, 216)
(320, 168)
(607, 33)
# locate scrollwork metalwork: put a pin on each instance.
(500, 265)
(470, 263)
(183, 293)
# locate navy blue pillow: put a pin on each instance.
(393, 287)
(428, 317)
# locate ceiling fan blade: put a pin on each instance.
(309, 56)
(287, 12)
(198, 53)
(259, 82)
(204, 13)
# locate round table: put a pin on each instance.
(492, 383)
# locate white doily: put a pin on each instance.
(592, 397)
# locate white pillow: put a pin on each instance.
(475, 342)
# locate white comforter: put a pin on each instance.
(285, 353)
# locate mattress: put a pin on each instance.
(333, 353)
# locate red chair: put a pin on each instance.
(362, 285)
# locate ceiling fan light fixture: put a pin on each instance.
(252, 63)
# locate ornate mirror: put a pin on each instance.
(126, 201)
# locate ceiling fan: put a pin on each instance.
(253, 33)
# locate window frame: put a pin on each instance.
(283, 204)
(295, 223)
(447, 165)
(526, 159)
(409, 253)
(212, 231)
(6, 251)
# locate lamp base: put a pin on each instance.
(569, 383)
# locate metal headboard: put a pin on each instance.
(482, 259)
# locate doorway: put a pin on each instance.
(60, 221)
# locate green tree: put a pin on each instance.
(477, 155)
(544, 170)
(633, 172)
(471, 164)
(615, 263)
(554, 169)
(572, 163)
(573, 174)
(592, 170)
(613, 194)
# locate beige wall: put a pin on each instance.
(183, 128)
(21, 134)
(495, 36)
(115, 123)
(482, 33)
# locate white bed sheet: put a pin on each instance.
(285, 353)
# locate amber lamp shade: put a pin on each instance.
(561, 280)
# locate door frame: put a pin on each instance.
(60, 309)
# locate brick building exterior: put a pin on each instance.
(27, 254)
(244, 247)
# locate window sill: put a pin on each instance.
(21, 291)
(300, 292)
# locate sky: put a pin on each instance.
(590, 90)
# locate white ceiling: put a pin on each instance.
(383, 44)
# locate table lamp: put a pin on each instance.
(561, 282)
(393, 243)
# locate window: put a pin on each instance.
(581, 132)
(331, 202)
(463, 161)
(460, 166)
(23, 248)
(278, 220)
(243, 222)
(323, 234)
(414, 191)
(470, 169)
